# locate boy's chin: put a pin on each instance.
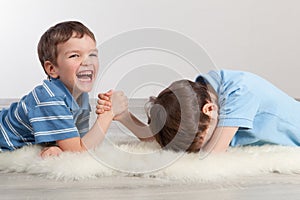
(82, 88)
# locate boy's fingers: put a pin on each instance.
(100, 111)
(103, 97)
(103, 107)
(103, 102)
(109, 93)
(50, 151)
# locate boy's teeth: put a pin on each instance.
(85, 75)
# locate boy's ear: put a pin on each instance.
(209, 109)
(51, 69)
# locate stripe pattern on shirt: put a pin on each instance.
(44, 115)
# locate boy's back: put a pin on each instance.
(44, 115)
(263, 113)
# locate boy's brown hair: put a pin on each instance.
(60, 33)
(176, 116)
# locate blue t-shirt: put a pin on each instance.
(263, 113)
(47, 114)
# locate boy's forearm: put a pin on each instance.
(138, 128)
(91, 139)
(97, 133)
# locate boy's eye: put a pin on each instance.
(94, 54)
(73, 56)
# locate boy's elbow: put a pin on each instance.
(72, 145)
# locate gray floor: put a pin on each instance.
(22, 186)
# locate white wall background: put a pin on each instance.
(261, 36)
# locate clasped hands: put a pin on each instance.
(114, 101)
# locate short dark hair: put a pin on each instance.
(60, 33)
(179, 108)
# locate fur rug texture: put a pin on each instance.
(147, 160)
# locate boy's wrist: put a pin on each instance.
(122, 116)
(107, 114)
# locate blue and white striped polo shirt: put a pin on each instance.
(48, 113)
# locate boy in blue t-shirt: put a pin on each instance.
(58, 110)
(220, 109)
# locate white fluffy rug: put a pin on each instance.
(147, 160)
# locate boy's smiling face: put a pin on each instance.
(77, 64)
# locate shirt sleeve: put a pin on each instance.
(82, 122)
(238, 107)
(52, 120)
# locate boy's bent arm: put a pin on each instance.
(92, 138)
(220, 140)
(138, 128)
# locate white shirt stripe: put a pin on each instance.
(7, 140)
(52, 103)
(83, 130)
(38, 119)
(54, 132)
(83, 119)
(15, 132)
(48, 90)
(35, 96)
(21, 121)
(24, 108)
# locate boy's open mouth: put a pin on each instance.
(86, 75)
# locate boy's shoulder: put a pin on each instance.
(48, 91)
(53, 88)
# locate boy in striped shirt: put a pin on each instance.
(58, 110)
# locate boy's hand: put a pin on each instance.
(104, 102)
(112, 100)
(119, 104)
(50, 151)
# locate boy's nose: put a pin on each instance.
(87, 61)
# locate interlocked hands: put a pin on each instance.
(114, 101)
